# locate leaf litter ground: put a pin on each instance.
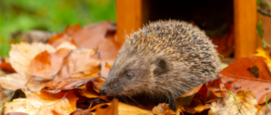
(63, 76)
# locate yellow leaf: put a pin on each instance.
(118, 108)
(266, 110)
(7, 81)
(163, 109)
(266, 54)
(245, 104)
(21, 55)
(64, 106)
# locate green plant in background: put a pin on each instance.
(49, 15)
(263, 7)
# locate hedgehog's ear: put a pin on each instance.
(161, 66)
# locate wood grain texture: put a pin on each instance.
(129, 17)
(245, 16)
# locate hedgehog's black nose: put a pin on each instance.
(102, 91)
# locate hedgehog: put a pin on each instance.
(163, 61)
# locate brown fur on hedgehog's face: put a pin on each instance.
(130, 76)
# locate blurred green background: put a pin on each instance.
(49, 15)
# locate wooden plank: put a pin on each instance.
(245, 16)
(129, 17)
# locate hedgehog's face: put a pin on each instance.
(130, 76)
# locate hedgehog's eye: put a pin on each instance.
(129, 74)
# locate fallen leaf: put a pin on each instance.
(58, 39)
(266, 110)
(98, 82)
(249, 73)
(111, 110)
(191, 99)
(98, 35)
(46, 65)
(118, 108)
(3, 97)
(243, 103)
(65, 106)
(7, 81)
(265, 54)
(163, 109)
(79, 65)
(21, 55)
(6, 66)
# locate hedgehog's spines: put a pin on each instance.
(179, 41)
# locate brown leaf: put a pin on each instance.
(58, 39)
(163, 109)
(3, 97)
(245, 104)
(17, 113)
(118, 108)
(21, 55)
(111, 110)
(249, 73)
(98, 82)
(46, 65)
(266, 110)
(64, 106)
(7, 81)
(6, 66)
(98, 35)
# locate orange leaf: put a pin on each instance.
(163, 109)
(64, 106)
(249, 73)
(98, 82)
(46, 65)
(6, 66)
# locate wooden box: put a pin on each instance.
(133, 14)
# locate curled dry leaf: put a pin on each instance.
(266, 110)
(249, 73)
(163, 109)
(46, 65)
(7, 81)
(58, 39)
(64, 69)
(118, 108)
(97, 84)
(191, 99)
(99, 35)
(34, 106)
(80, 65)
(3, 96)
(6, 65)
(21, 55)
(243, 103)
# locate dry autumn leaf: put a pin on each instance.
(249, 73)
(7, 81)
(163, 109)
(21, 55)
(99, 35)
(46, 65)
(118, 108)
(266, 54)
(3, 97)
(5, 65)
(266, 110)
(33, 106)
(191, 99)
(243, 103)
(72, 68)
